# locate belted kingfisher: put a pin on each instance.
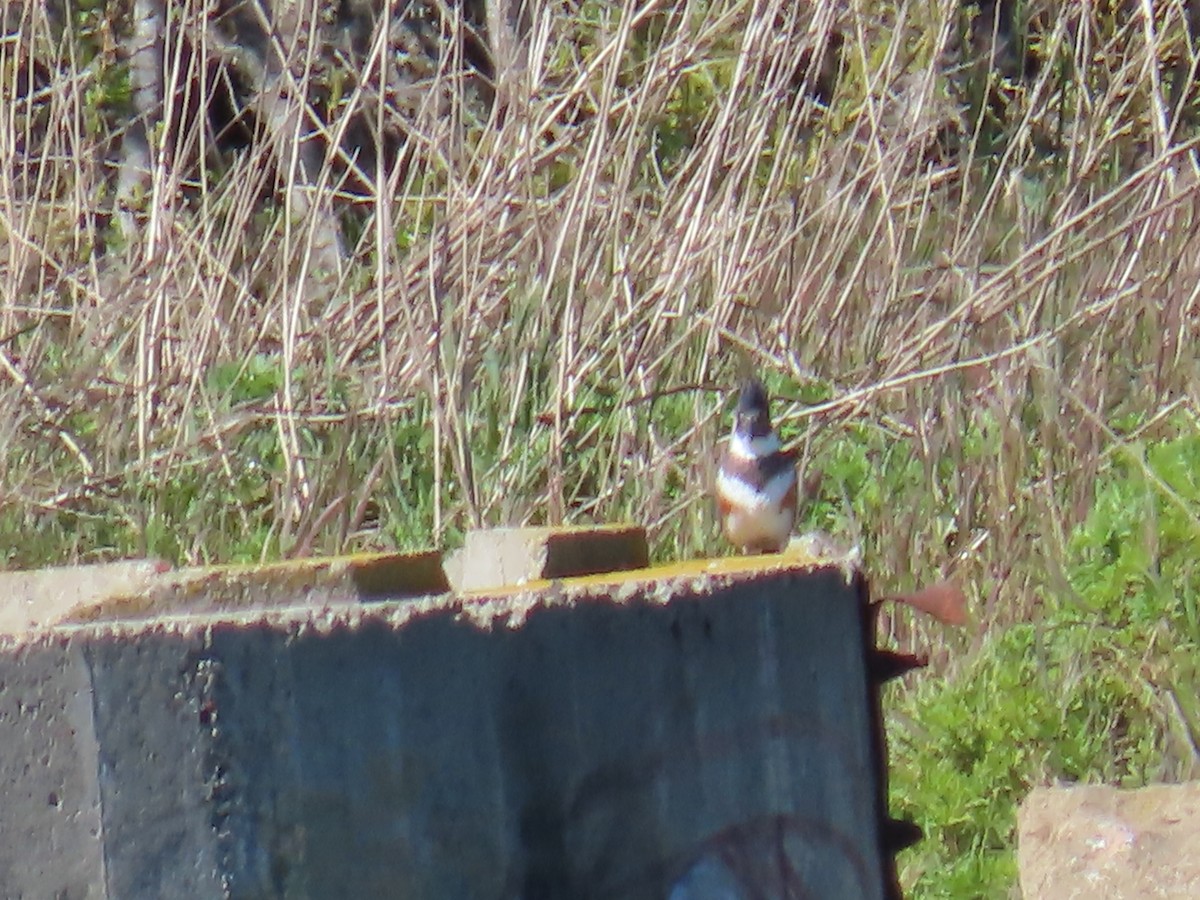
(757, 486)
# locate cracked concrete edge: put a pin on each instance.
(499, 561)
(500, 608)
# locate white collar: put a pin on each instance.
(754, 447)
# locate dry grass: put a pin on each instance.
(562, 294)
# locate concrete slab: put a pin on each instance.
(660, 736)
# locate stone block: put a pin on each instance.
(499, 557)
(1099, 841)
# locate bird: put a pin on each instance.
(757, 486)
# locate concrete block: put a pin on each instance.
(699, 727)
(499, 557)
(1100, 841)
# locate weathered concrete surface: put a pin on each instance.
(1098, 841)
(498, 557)
(43, 597)
(50, 834)
(332, 581)
(143, 589)
(642, 738)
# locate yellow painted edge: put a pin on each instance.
(693, 568)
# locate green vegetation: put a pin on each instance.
(1099, 685)
(966, 265)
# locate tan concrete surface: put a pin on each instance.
(42, 597)
(305, 582)
(514, 556)
(1092, 841)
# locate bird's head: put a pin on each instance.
(752, 417)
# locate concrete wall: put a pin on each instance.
(660, 735)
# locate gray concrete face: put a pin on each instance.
(640, 739)
(51, 843)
